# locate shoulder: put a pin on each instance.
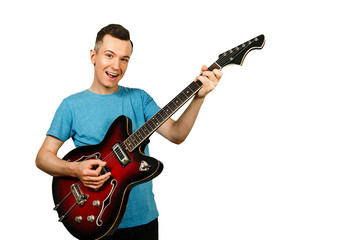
(130, 90)
(140, 96)
(78, 100)
(133, 92)
(76, 96)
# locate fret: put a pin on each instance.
(194, 86)
(159, 117)
(235, 55)
(156, 120)
(167, 110)
(140, 134)
(144, 135)
(212, 67)
(172, 106)
(147, 128)
(129, 144)
(215, 65)
(133, 139)
(188, 92)
(162, 115)
(176, 102)
(151, 124)
(182, 97)
(136, 139)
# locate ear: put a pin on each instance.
(93, 56)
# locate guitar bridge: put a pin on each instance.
(80, 198)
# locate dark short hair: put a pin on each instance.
(116, 31)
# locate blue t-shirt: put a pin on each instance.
(86, 116)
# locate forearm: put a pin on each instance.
(177, 131)
(53, 165)
(48, 161)
(87, 171)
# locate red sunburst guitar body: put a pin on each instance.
(94, 214)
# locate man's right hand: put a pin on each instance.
(88, 172)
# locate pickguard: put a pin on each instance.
(92, 156)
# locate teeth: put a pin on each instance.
(112, 74)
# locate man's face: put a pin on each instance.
(110, 62)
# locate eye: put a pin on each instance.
(108, 55)
(125, 60)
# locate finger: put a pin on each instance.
(93, 185)
(95, 175)
(201, 79)
(209, 74)
(94, 166)
(104, 177)
(203, 69)
(93, 162)
(218, 73)
(209, 81)
(96, 180)
(98, 170)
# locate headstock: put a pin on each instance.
(237, 54)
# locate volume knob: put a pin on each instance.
(96, 203)
(78, 219)
(91, 218)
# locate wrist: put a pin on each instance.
(71, 168)
(199, 98)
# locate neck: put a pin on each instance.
(103, 90)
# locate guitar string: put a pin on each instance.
(108, 158)
(222, 60)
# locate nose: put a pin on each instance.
(116, 64)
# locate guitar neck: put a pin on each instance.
(146, 130)
(235, 55)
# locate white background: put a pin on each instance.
(274, 153)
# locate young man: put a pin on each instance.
(87, 115)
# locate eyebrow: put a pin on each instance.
(115, 53)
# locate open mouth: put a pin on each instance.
(112, 75)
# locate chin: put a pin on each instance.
(111, 84)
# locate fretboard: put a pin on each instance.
(145, 131)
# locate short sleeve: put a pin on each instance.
(61, 124)
(149, 106)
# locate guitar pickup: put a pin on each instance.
(120, 154)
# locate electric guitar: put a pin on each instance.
(94, 214)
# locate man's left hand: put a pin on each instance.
(209, 79)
